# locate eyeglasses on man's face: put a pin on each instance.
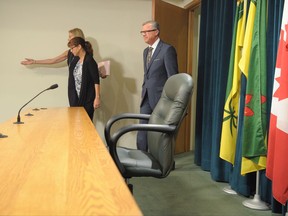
(144, 32)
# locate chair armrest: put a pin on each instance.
(143, 127)
(119, 117)
(134, 127)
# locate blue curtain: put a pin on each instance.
(217, 19)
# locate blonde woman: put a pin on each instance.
(76, 32)
(72, 60)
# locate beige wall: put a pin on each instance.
(39, 29)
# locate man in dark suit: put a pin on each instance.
(159, 64)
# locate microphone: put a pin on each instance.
(18, 117)
(3, 136)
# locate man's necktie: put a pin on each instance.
(149, 55)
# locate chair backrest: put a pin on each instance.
(170, 109)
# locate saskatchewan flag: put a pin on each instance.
(253, 65)
(230, 114)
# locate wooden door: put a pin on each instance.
(174, 30)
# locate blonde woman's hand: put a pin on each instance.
(28, 61)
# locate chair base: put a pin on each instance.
(130, 186)
(173, 166)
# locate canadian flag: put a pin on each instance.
(277, 158)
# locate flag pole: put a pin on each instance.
(256, 202)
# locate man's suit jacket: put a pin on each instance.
(163, 64)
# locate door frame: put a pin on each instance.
(188, 126)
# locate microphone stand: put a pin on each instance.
(18, 116)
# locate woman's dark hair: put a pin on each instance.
(86, 45)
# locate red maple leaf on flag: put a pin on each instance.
(282, 91)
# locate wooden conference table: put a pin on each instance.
(56, 164)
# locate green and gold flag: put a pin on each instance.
(253, 65)
(230, 114)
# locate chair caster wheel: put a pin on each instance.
(130, 186)
(173, 167)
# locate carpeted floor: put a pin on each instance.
(188, 190)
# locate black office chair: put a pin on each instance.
(162, 129)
